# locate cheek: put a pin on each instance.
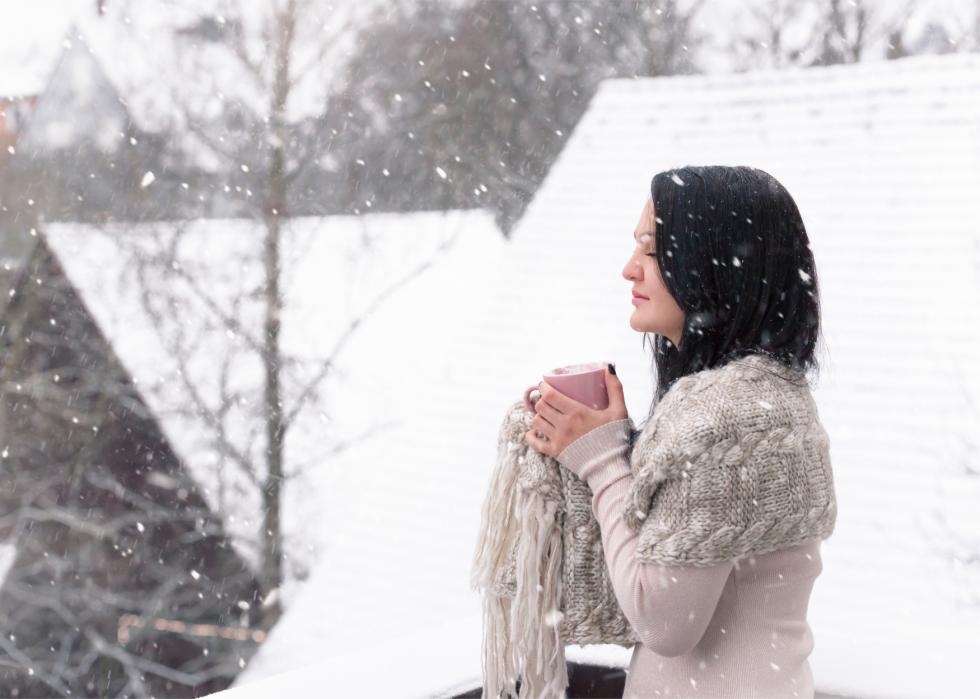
(655, 281)
(662, 303)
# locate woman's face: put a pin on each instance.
(656, 311)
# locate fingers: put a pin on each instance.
(538, 444)
(544, 408)
(556, 400)
(542, 424)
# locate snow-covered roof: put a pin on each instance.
(884, 162)
(30, 42)
(71, 37)
(78, 105)
(177, 303)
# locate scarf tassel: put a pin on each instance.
(518, 568)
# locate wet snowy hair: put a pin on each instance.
(734, 254)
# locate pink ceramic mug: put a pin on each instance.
(585, 383)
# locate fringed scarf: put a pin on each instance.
(539, 558)
(541, 565)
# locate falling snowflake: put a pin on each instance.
(677, 180)
(553, 617)
(147, 180)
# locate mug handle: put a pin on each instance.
(527, 397)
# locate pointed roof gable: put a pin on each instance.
(78, 104)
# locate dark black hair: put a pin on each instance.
(734, 255)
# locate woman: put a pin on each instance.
(712, 534)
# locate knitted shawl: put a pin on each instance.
(733, 462)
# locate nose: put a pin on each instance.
(633, 271)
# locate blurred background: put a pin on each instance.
(272, 272)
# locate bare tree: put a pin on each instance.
(782, 33)
(204, 294)
(779, 34)
(847, 27)
(467, 105)
(668, 34)
(240, 76)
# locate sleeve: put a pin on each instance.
(668, 606)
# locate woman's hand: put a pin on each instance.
(563, 420)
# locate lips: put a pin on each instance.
(638, 296)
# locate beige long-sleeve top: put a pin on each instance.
(736, 629)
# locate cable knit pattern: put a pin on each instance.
(588, 601)
(734, 461)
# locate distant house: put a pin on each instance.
(882, 160)
(79, 105)
(116, 571)
(87, 139)
(82, 150)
